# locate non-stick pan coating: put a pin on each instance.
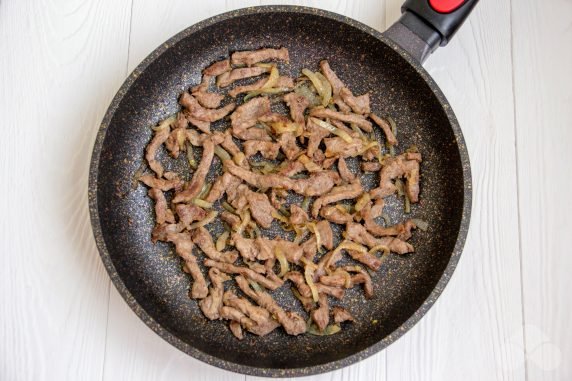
(150, 277)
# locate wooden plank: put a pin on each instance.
(57, 80)
(473, 330)
(542, 37)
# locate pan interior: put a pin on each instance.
(152, 273)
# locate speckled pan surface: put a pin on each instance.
(149, 276)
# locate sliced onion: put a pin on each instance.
(346, 275)
(362, 201)
(423, 225)
(309, 276)
(239, 158)
(377, 248)
(272, 90)
(331, 329)
(255, 228)
(282, 127)
(350, 245)
(284, 265)
(280, 217)
(306, 203)
(204, 190)
(319, 85)
(165, 124)
(221, 153)
(221, 241)
(245, 219)
(333, 129)
(202, 203)
(205, 221)
(312, 227)
(309, 164)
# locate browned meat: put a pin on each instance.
(247, 114)
(298, 216)
(336, 292)
(189, 212)
(358, 120)
(231, 219)
(217, 68)
(194, 187)
(288, 144)
(370, 166)
(250, 57)
(162, 212)
(260, 208)
(345, 172)
(326, 234)
(259, 320)
(391, 139)
(257, 180)
(213, 302)
(221, 184)
(342, 106)
(283, 82)
(177, 138)
(297, 278)
(361, 277)
(336, 83)
(297, 104)
(202, 238)
(252, 133)
(237, 196)
(327, 262)
(405, 165)
(229, 268)
(200, 124)
(293, 323)
(315, 136)
(160, 232)
(359, 105)
(236, 329)
(162, 184)
(337, 279)
(208, 100)
(342, 192)
(268, 150)
(401, 231)
(246, 247)
(336, 215)
(358, 233)
(197, 111)
(229, 145)
(229, 77)
(263, 248)
(291, 168)
(184, 249)
(204, 85)
(341, 315)
(310, 248)
(321, 315)
(338, 147)
(161, 135)
(317, 184)
(367, 259)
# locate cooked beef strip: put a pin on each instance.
(336, 280)
(162, 212)
(247, 114)
(162, 184)
(202, 125)
(213, 302)
(250, 57)
(391, 139)
(188, 213)
(161, 231)
(176, 140)
(315, 136)
(204, 85)
(231, 219)
(208, 100)
(258, 180)
(275, 199)
(229, 77)
(345, 172)
(293, 323)
(401, 231)
(358, 120)
(246, 247)
(359, 105)
(297, 278)
(310, 248)
(184, 249)
(367, 259)
(342, 106)
(341, 315)
(297, 104)
(291, 168)
(259, 320)
(260, 208)
(317, 184)
(197, 111)
(202, 238)
(161, 135)
(221, 184)
(336, 83)
(358, 233)
(370, 166)
(336, 292)
(217, 68)
(405, 165)
(283, 82)
(244, 271)
(263, 248)
(288, 145)
(236, 329)
(338, 147)
(321, 315)
(336, 215)
(268, 150)
(342, 192)
(298, 216)
(361, 277)
(193, 188)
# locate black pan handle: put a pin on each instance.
(427, 24)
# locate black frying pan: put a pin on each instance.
(149, 276)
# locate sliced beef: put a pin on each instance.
(336, 292)
(184, 249)
(250, 57)
(162, 184)
(315, 136)
(341, 315)
(342, 106)
(229, 268)
(358, 233)
(161, 231)
(291, 168)
(217, 68)
(401, 231)
(370, 166)
(202, 238)
(321, 315)
(221, 184)
(298, 216)
(336, 83)
(236, 329)
(193, 189)
(317, 184)
(213, 302)
(367, 259)
(228, 78)
(161, 135)
(342, 192)
(338, 147)
(162, 212)
(202, 125)
(268, 150)
(358, 120)
(336, 215)
(188, 213)
(258, 180)
(405, 165)
(359, 105)
(297, 104)
(345, 172)
(264, 249)
(259, 320)
(197, 111)
(297, 278)
(386, 128)
(231, 219)
(361, 277)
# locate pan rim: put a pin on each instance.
(247, 369)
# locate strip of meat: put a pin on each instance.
(288, 144)
(197, 111)
(162, 212)
(361, 277)
(359, 105)
(176, 140)
(336, 215)
(221, 184)
(230, 218)
(194, 187)
(204, 85)
(184, 249)
(247, 114)
(338, 147)
(367, 259)
(217, 68)
(405, 165)
(336, 292)
(342, 106)
(246, 247)
(250, 57)
(321, 315)
(208, 100)
(202, 238)
(358, 233)
(259, 320)
(317, 184)
(260, 208)
(282, 82)
(161, 231)
(345, 172)
(341, 315)
(298, 216)
(189, 212)
(391, 139)
(291, 168)
(293, 323)
(370, 166)
(162, 184)
(236, 329)
(229, 268)
(268, 150)
(161, 135)
(200, 124)
(297, 104)
(228, 78)
(213, 302)
(336, 83)
(326, 234)
(315, 135)
(297, 278)
(258, 180)
(358, 120)
(264, 249)
(342, 192)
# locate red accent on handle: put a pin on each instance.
(445, 6)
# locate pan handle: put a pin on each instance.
(427, 24)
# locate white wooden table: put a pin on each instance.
(504, 315)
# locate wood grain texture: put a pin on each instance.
(542, 58)
(479, 312)
(57, 79)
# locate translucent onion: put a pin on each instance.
(255, 228)
(239, 158)
(309, 276)
(320, 86)
(165, 124)
(333, 129)
(204, 190)
(205, 221)
(346, 275)
(331, 329)
(221, 241)
(284, 265)
(282, 127)
(306, 203)
(350, 245)
(272, 78)
(273, 90)
(423, 225)
(280, 217)
(362, 201)
(202, 203)
(191, 156)
(228, 207)
(312, 227)
(221, 153)
(309, 164)
(377, 248)
(245, 219)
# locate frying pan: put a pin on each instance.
(388, 65)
